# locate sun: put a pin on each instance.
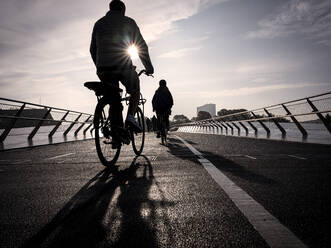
(133, 52)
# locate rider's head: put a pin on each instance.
(163, 82)
(117, 5)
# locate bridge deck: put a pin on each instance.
(61, 196)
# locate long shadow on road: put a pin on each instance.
(295, 192)
(223, 164)
(90, 219)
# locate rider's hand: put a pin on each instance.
(150, 71)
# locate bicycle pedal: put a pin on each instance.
(126, 141)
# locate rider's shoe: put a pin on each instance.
(132, 124)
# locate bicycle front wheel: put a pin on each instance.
(138, 139)
(163, 131)
(103, 139)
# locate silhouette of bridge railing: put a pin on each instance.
(313, 109)
(19, 114)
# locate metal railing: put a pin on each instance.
(16, 114)
(313, 109)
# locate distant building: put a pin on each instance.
(210, 108)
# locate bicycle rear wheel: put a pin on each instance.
(138, 139)
(163, 131)
(103, 139)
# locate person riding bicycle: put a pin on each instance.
(162, 103)
(111, 37)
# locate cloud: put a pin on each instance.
(159, 16)
(50, 40)
(309, 18)
(267, 66)
(244, 91)
(179, 53)
(198, 39)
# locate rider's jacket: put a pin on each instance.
(112, 35)
(162, 100)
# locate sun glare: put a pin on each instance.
(133, 52)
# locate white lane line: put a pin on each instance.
(247, 156)
(195, 151)
(154, 157)
(21, 161)
(269, 227)
(297, 157)
(61, 156)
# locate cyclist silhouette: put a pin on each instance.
(112, 35)
(162, 103)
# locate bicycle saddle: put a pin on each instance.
(101, 88)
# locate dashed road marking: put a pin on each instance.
(154, 157)
(247, 156)
(297, 157)
(22, 161)
(269, 227)
(61, 156)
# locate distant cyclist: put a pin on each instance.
(111, 37)
(162, 103)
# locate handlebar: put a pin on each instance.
(144, 71)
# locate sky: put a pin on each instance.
(233, 53)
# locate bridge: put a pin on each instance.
(205, 189)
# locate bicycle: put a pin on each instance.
(110, 132)
(163, 129)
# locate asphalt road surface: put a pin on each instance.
(199, 191)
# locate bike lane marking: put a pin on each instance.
(61, 156)
(247, 156)
(297, 157)
(21, 162)
(268, 226)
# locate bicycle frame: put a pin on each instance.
(110, 132)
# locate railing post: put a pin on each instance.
(72, 124)
(81, 126)
(214, 126)
(229, 127)
(11, 124)
(35, 130)
(246, 129)
(88, 127)
(226, 128)
(238, 128)
(263, 125)
(219, 125)
(322, 118)
(200, 126)
(195, 128)
(299, 126)
(252, 126)
(204, 126)
(276, 123)
(92, 130)
(58, 125)
(210, 125)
